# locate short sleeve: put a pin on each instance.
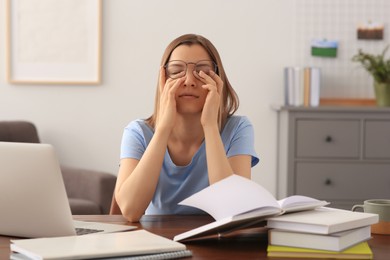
(134, 140)
(239, 138)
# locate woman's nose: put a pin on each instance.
(190, 78)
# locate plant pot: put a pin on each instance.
(382, 94)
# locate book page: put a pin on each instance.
(299, 202)
(232, 196)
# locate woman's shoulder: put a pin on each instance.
(235, 124)
(139, 125)
(236, 121)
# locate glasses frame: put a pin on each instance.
(215, 67)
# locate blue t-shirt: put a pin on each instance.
(179, 182)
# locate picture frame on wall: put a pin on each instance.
(54, 42)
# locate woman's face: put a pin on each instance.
(187, 60)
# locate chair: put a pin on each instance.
(89, 192)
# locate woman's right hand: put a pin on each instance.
(167, 110)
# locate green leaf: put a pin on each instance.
(376, 65)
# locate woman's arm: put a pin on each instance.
(218, 165)
(137, 180)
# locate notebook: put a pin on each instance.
(123, 245)
(33, 198)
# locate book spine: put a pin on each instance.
(288, 86)
(306, 86)
(298, 86)
(315, 83)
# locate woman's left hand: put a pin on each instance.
(214, 85)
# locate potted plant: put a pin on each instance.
(379, 68)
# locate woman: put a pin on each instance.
(192, 139)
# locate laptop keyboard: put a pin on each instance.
(85, 231)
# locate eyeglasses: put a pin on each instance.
(177, 68)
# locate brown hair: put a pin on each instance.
(229, 102)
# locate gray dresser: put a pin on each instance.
(339, 154)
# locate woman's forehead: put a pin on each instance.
(190, 53)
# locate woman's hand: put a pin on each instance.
(167, 110)
(214, 85)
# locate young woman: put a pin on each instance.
(191, 140)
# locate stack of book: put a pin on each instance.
(322, 233)
(302, 86)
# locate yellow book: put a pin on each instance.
(359, 251)
(306, 86)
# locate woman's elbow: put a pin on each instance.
(132, 217)
(128, 211)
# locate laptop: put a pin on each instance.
(33, 199)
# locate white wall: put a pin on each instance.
(85, 123)
(339, 20)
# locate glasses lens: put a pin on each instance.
(205, 66)
(176, 69)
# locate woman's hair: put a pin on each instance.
(229, 98)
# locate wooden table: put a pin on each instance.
(248, 245)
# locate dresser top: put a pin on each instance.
(365, 109)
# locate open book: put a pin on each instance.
(237, 202)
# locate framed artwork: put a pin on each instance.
(54, 41)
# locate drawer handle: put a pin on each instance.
(328, 182)
(328, 139)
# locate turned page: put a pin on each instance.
(300, 203)
(232, 196)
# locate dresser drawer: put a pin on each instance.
(377, 139)
(327, 138)
(346, 181)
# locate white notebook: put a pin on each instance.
(133, 243)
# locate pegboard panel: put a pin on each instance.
(338, 20)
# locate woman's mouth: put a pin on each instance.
(187, 95)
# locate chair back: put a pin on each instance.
(18, 131)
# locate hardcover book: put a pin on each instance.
(360, 251)
(322, 220)
(334, 242)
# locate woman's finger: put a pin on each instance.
(212, 79)
(218, 80)
(176, 83)
(161, 79)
